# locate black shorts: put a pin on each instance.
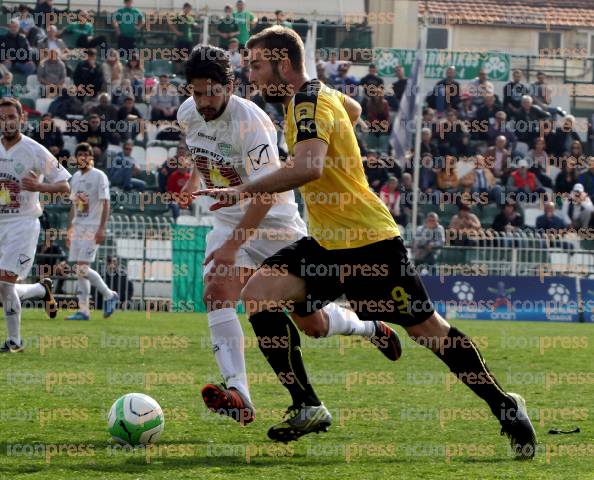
(378, 280)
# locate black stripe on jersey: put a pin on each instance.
(304, 110)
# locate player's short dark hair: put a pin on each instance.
(83, 147)
(207, 61)
(12, 102)
(281, 42)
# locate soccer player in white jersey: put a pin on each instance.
(86, 230)
(233, 141)
(26, 168)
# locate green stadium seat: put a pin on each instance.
(157, 67)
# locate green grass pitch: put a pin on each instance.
(403, 420)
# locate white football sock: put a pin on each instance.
(83, 294)
(99, 284)
(26, 291)
(12, 310)
(342, 321)
(227, 341)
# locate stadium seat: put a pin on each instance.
(155, 156)
(143, 109)
(42, 104)
(530, 216)
(69, 143)
(28, 102)
(139, 155)
(157, 67)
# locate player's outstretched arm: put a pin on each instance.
(307, 165)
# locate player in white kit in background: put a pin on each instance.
(233, 141)
(86, 230)
(25, 167)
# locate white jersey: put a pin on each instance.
(236, 148)
(87, 191)
(15, 164)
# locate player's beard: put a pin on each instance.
(209, 114)
(281, 89)
(11, 133)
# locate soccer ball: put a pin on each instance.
(559, 293)
(135, 419)
(463, 291)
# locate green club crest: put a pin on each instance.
(19, 168)
(224, 148)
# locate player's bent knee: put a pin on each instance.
(217, 296)
(430, 331)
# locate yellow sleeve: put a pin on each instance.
(314, 117)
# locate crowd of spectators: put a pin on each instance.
(480, 146)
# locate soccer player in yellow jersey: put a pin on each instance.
(354, 249)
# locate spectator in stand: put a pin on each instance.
(559, 143)
(182, 27)
(113, 71)
(500, 127)
(345, 83)
(481, 181)
(447, 178)
(498, 158)
(51, 74)
(67, 103)
(88, 76)
(245, 21)
(331, 66)
(371, 82)
(480, 87)
(428, 148)
(227, 28)
(83, 32)
(429, 240)
(577, 209)
(529, 119)
(164, 101)
(43, 13)
(26, 22)
(127, 22)
(567, 177)
(523, 181)
(508, 220)
(539, 162)
(406, 194)
(5, 81)
(451, 133)
(428, 178)
(175, 182)
(234, 55)
(376, 114)
(108, 113)
(375, 171)
(15, 52)
(52, 42)
(587, 178)
(486, 116)
(123, 168)
(465, 227)
(399, 87)
(513, 93)
(541, 92)
(129, 113)
(446, 93)
(430, 122)
(548, 222)
(134, 72)
(96, 136)
(390, 195)
(467, 110)
(280, 19)
(50, 136)
(170, 165)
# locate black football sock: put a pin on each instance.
(279, 341)
(465, 361)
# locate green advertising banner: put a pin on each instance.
(467, 64)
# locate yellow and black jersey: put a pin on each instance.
(343, 212)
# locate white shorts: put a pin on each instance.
(83, 247)
(18, 242)
(252, 253)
